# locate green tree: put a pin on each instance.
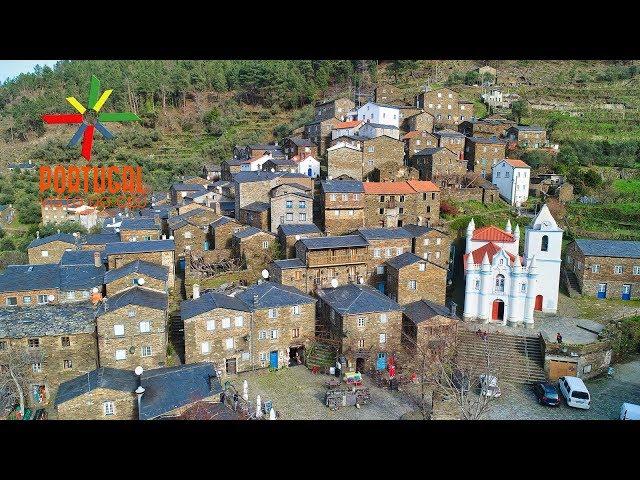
(519, 109)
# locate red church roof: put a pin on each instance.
(490, 249)
(492, 234)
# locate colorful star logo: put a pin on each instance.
(90, 119)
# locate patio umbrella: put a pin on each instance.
(245, 390)
(258, 407)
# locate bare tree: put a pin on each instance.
(16, 372)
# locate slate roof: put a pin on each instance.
(172, 387)
(417, 230)
(40, 321)
(342, 186)
(18, 278)
(354, 299)
(428, 151)
(273, 295)
(139, 247)
(221, 221)
(178, 221)
(3, 207)
(282, 161)
(380, 125)
(609, 248)
(139, 223)
(448, 133)
(80, 277)
(227, 206)
(107, 378)
(256, 207)
(289, 263)
(248, 232)
(256, 176)
(529, 128)
(100, 238)
(404, 260)
(61, 237)
(77, 257)
(149, 269)
(141, 297)
(187, 187)
(424, 310)
(384, 233)
(207, 302)
(491, 140)
(343, 241)
(299, 229)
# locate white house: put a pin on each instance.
(512, 179)
(309, 166)
(349, 129)
(501, 286)
(378, 113)
(373, 130)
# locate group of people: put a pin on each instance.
(483, 335)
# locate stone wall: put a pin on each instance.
(344, 161)
(139, 235)
(431, 283)
(127, 281)
(252, 251)
(53, 251)
(378, 151)
(90, 406)
(350, 214)
(433, 246)
(418, 208)
(255, 219)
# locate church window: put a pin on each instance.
(500, 283)
(523, 288)
(477, 285)
(545, 243)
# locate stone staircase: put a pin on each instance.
(515, 358)
(570, 282)
(321, 355)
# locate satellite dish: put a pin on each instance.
(94, 289)
(334, 282)
(273, 170)
(361, 280)
(51, 298)
(265, 274)
(170, 237)
(138, 371)
(297, 237)
(141, 281)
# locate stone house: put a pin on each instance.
(131, 329)
(378, 151)
(47, 345)
(139, 273)
(254, 247)
(299, 147)
(430, 244)
(445, 105)
(222, 230)
(452, 140)
(604, 268)
(256, 214)
(422, 121)
(211, 171)
(280, 165)
(384, 243)
(330, 109)
(486, 127)
(319, 132)
(291, 204)
(344, 159)
(291, 272)
(258, 150)
(289, 234)
(372, 130)
(50, 249)
(366, 322)
(59, 210)
(161, 252)
(482, 153)
(394, 204)
(139, 228)
(348, 128)
(417, 140)
(178, 191)
(228, 168)
(110, 394)
(528, 136)
(440, 165)
(341, 206)
(410, 278)
(97, 241)
(392, 172)
(429, 329)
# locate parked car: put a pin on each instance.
(489, 386)
(630, 411)
(575, 392)
(460, 381)
(546, 394)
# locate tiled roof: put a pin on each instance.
(18, 278)
(77, 257)
(273, 295)
(289, 263)
(404, 260)
(490, 249)
(172, 387)
(100, 238)
(39, 321)
(342, 186)
(142, 297)
(609, 248)
(139, 247)
(209, 301)
(424, 310)
(493, 234)
(354, 299)
(299, 229)
(149, 269)
(417, 230)
(384, 233)
(249, 232)
(350, 124)
(106, 378)
(58, 237)
(516, 163)
(411, 134)
(343, 241)
(400, 188)
(256, 207)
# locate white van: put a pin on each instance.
(575, 392)
(629, 411)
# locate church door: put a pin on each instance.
(497, 312)
(538, 306)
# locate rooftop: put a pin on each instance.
(493, 234)
(142, 297)
(139, 247)
(299, 229)
(209, 301)
(256, 207)
(424, 310)
(289, 263)
(350, 124)
(404, 260)
(106, 378)
(139, 223)
(384, 233)
(40, 321)
(516, 163)
(342, 186)
(57, 237)
(149, 269)
(249, 232)
(487, 140)
(609, 248)
(343, 241)
(273, 295)
(354, 299)
(400, 188)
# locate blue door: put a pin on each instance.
(310, 172)
(626, 292)
(381, 363)
(181, 264)
(273, 359)
(205, 245)
(381, 286)
(602, 290)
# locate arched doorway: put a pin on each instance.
(497, 312)
(538, 306)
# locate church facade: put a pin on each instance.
(502, 286)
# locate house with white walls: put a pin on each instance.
(512, 178)
(308, 166)
(380, 114)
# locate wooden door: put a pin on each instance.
(538, 306)
(559, 369)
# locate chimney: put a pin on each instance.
(96, 259)
(196, 291)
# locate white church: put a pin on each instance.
(503, 287)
